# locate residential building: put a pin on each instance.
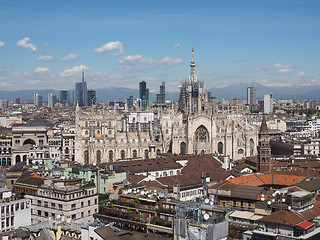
(52, 100)
(69, 197)
(15, 212)
(268, 103)
(37, 100)
(92, 99)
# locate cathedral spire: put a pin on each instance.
(193, 77)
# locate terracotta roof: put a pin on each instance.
(267, 179)
(284, 217)
(30, 178)
(146, 165)
(183, 180)
(306, 225)
(225, 185)
(247, 192)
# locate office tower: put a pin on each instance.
(18, 101)
(52, 100)
(92, 97)
(144, 94)
(161, 97)
(66, 97)
(251, 98)
(268, 103)
(130, 102)
(4, 103)
(82, 92)
(37, 100)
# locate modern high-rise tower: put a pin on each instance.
(161, 97)
(37, 100)
(52, 100)
(251, 98)
(144, 94)
(268, 103)
(92, 98)
(82, 92)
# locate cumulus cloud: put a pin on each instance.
(285, 70)
(116, 48)
(46, 58)
(175, 45)
(141, 60)
(70, 57)
(301, 74)
(23, 43)
(41, 70)
(2, 44)
(76, 70)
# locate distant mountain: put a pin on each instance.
(237, 90)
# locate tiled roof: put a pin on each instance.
(247, 192)
(18, 167)
(311, 185)
(30, 178)
(284, 217)
(267, 179)
(306, 225)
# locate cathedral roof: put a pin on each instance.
(264, 127)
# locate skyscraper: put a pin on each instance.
(82, 92)
(268, 103)
(92, 97)
(37, 100)
(67, 97)
(52, 100)
(144, 94)
(251, 98)
(161, 97)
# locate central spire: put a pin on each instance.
(193, 77)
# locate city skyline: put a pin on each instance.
(48, 44)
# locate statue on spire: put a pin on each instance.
(193, 77)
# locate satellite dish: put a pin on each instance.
(142, 192)
(273, 194)
(211, 203)
(155, 191)
(206, 201)
(273, 200)
(289, 208)
(283, 200)
(130, 190)
(269, 202)
(134, 192)
(262, 198)
(206, 216)
(138, 190)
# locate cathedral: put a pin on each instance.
(195, 126)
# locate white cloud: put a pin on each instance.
(46, 58)
(285, 70)
(175, 45)
(70, 57)
(141, 60)
(41, 70)
(76, 70)
(23, 43)
(2, 44)
(111, 47)
(301, 74)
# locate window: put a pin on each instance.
(95, 201)
(82, 204)
(73, 216)
(46, 204)
(46, 214)
(39, 202)
(60, 206)
(89, 202)
(73, 206)
(39, 213)
(89, 213)
(53, 215)
(82, 215)
(17, 206)
(53, 205)
(22, 205)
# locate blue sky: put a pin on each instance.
(46, 44)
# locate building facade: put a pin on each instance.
(268, 103)
(194, 128)
(82, 92)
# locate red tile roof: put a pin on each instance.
(267, 179)
(306, 225)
